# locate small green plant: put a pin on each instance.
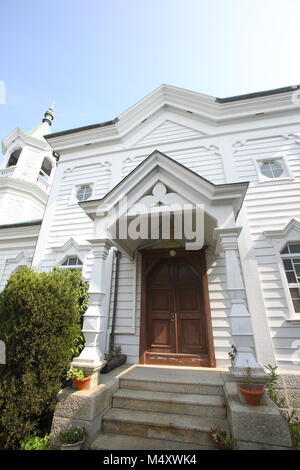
(272, 391)
(75, 374)
(72, 435)
(222, 437)
(115, 351)
(232, 353)
(248, 377)
(294, 427)
(272, 386)
(36, 442)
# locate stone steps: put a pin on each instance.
(164, 408)
(166, 402)
(169, 426)
(109, 441)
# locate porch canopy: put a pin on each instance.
(162, 189)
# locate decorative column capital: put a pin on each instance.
(228, 237)
(100, 247)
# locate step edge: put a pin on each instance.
(113, 436)
(175, 401)
(132, 420)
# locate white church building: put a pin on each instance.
(119, 199)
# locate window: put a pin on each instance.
(271, 168)
(291, 262)
(13, 159)
(84, 192)
(72, 262)
(46, 169)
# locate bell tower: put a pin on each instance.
(27, 173)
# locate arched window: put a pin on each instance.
(71, 262)
(291, 261)
(14, 157)
(46, 168)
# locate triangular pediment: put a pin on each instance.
(168, 131)
(157, 190)
(158, 167)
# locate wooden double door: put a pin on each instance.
(176, 316)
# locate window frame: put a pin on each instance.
(291, 285)
(73, 198)
(71, 266)
(281, 159)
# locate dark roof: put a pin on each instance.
(247, 96)
(22, 224)
(80, 129)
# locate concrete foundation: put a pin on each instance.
(255, 427)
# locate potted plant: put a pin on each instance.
(80, 382)
(222, 439)
(252, 392)
(72, 439)
(114, 359)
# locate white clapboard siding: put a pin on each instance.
(270, 206)
(69, 219)
(126, 310)
(166, 132)
(10, 252)
(205, 161)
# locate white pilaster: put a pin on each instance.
(240, 320)
(91, 358)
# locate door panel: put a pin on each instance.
(161, 304)
(176, 319)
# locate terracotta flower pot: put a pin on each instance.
(252, 393)
(81, 384)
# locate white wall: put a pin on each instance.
(225, 155)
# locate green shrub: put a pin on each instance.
(36, 443)
(39, 322)
(294, 427)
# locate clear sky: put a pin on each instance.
(96, 58)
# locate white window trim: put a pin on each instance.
(287, 174)
(279, 239)
(72, 247)
(73, 199)
(69, 255)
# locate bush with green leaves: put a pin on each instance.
(36, 442)
(40, 318)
